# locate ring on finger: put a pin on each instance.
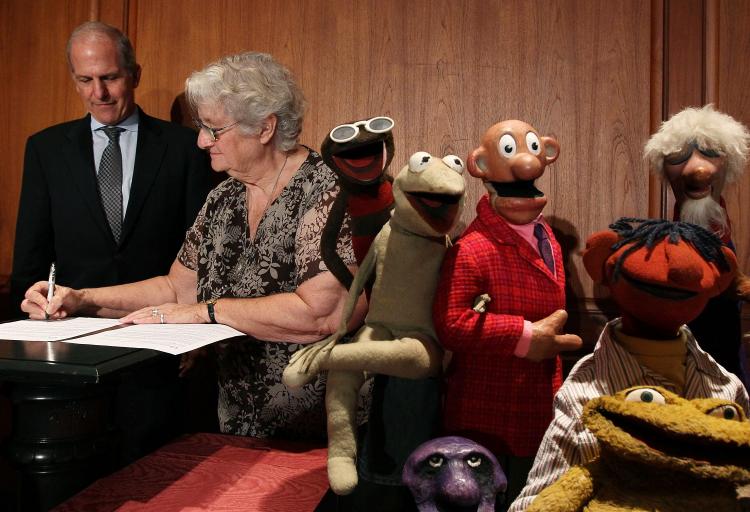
(161, 318)
(154, 312)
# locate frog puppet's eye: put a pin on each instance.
(646, 395)
(419, 161)
(454, 163)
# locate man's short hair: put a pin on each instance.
(125, 51)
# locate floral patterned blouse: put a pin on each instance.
(284, 253)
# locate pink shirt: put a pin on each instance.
(527, 233)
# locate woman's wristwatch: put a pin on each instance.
(210, 306)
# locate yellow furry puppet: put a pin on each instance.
(658, 452)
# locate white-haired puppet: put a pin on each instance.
(698, 151)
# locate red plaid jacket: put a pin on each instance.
(492, 396)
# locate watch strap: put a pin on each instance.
(211, 313)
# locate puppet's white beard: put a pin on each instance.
(705, 212)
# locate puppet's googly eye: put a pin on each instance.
(728, 412)
(533, 143)
(454, 163)
(646, 395)
(507, 145)
(474, 461)
(419, 161)
(435, 461)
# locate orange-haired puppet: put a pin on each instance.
(660, 274)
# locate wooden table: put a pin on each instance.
(213, 472)
(72, 413)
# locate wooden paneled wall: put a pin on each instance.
(599, 76)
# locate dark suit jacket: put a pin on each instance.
(61, 219)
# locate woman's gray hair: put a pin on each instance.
(250, 87)
(707, 127)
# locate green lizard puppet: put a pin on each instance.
(398, 338)
(658, 452)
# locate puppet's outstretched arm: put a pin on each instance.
(304, 364)
(376, 350)
(361, 279)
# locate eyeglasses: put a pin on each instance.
(346, 132)
(213, 133)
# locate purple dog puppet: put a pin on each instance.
(453, 473)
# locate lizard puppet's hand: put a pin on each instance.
(480, 302)
(306, 363)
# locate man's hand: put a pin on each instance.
(547, 340)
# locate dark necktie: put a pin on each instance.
(545, 247)
(110, 180)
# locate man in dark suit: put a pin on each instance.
(126, 228)
(65, 213)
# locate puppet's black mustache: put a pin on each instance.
(516, 188)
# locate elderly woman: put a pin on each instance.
(251, 260)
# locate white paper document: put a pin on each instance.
(170, 338)
(53, 330)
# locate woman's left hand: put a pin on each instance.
(167, 314)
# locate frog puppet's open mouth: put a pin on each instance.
(437, 210)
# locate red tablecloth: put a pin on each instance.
(212, 472)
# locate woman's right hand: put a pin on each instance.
(65, 302)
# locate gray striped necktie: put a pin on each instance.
(110, 180)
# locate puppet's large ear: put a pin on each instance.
(598, 249)
(476, 163)
(551, 149)
(726, 277)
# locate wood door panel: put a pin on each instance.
(584, 71)
(445, 71)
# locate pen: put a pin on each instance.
(50, 288)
